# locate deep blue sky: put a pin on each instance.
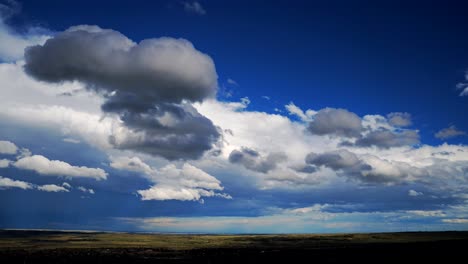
(370, 57)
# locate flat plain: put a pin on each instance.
(22, 246)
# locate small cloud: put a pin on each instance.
(52, 188)
(463, 86)
(232, 82)
(296, 111)
(429, 213)
(449, 132)
(83, 189)
(399, 119)
(194, 7)
(245, 101)
(414, 193)
(7, 147)
(44, 166)
(6, 183)
(266, 97)
(4, 163)
(71, 140)
(23, 153)
(66, 185)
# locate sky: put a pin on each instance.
(234, 116)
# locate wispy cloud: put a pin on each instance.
(463, 86)
(449, 132)
(194, 7)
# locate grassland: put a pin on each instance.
(74, 247)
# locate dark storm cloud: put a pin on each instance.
(388, 139)
(338, 122)
(150, 85)
(252, 160)
(171, 131)
(154, 70)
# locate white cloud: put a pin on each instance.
(4, 163)
(43, 165)
(7, 147)
(22, 90)
(232, 82)
(463, 86)
(414, 193)
(66, 185)
(85, 190)
(6, 183)
(295, 110)
(71, 140)
(456, 221)
(52, 188)
(427, 213)
(93, 128)
(272, 133)
(261, 131)
(245, 101)
(13, 44)
(187, 183)
(194, 7)
(449, 132)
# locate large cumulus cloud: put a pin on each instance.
(150, 85)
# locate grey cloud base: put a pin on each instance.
(150, 85)
(388, 139)
(252, 160)
(337, 122)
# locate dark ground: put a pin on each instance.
(76, 247)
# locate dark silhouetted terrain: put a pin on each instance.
(78, 247)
